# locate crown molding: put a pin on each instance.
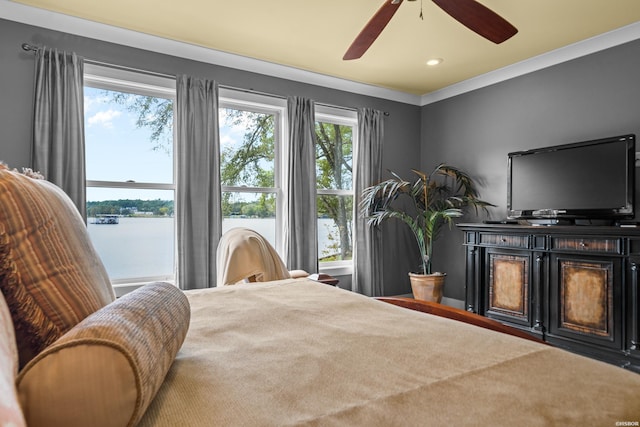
(576, 50)
(81, 27)
(85, 28)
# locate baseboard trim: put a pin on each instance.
(452, 302)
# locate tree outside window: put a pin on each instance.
(334, 171)
(249, 168)
(130, 186)
(251, 141)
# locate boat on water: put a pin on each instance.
(106, 219)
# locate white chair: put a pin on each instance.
(245, 255)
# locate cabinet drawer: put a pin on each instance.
(610, 246)
(505, 240)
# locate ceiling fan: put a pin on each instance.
(470, 13)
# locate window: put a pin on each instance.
(252, 146)
(130, 173)
(250, 163)
(335, 135)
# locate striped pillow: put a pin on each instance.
(50, 274)
(107, 369)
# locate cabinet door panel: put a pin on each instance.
(585, 299)
(508, 286)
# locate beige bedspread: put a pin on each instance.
(301, 353)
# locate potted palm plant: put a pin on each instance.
(435, 199)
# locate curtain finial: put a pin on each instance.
(29, 48)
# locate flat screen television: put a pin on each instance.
(589, 180)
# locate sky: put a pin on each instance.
(117, 150)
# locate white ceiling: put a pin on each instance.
(313, 36)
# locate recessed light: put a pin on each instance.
(435, 61)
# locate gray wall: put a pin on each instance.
(590, 97)
(587, 98)
(401, 151)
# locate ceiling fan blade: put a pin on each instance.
(372, 30)
(479, 18)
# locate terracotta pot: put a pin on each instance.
(427, 287)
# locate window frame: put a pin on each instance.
(150, 84)
(145, 84)
(268, 104)
(229, 98)
(345, 117)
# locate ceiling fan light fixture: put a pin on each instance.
(434, 61)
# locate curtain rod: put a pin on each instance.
(31, 48)
(28, 47)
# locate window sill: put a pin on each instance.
(331, 268)
(336, 269)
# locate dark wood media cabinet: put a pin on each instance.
(575, 287)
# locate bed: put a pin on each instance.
(278, 353)
(296, 352)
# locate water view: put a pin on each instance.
(144, 247)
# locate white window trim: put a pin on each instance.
(347, 117)
(258, 103)
(110, 78)
(239, 99)
(130, 184)
(140, 83)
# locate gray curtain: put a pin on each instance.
(198, 194)
(301, 228)
(58, 125)
(367, 254)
